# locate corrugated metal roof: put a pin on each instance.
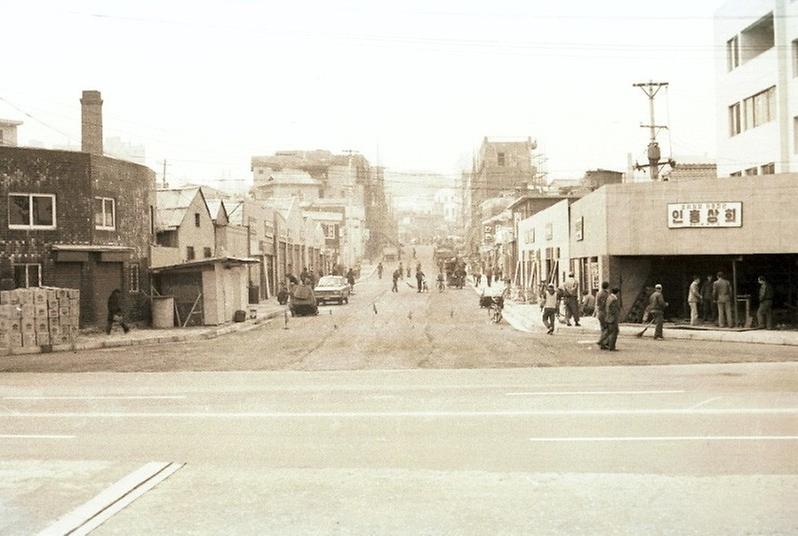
(172, 205)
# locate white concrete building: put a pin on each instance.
(757, 88)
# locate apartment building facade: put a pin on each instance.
(757, 87)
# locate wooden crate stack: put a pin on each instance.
(41, 316)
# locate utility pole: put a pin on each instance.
(164, 184)
(651, 89)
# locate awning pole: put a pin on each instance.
(734, 290)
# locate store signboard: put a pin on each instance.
(705, 214)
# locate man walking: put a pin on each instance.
(693, 299)
(764, 314)
(396, 274)
(115, 312)
(548, 304)
(379, 270)
(722, 295)
(401, 270)
(601, 313)
(657, 305)
(488, 275)
(571, 292)
(612, 318)
(419, 277)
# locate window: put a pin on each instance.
(104, 213)
(196, 219)
(734, 119)
(27, 275)
(732, 53)
(134, 283)
(190, 253)
(500, 159)
(208, 253)
(760, 108)
(329, 230)
(769, 169)
(752, 171)
(31, 211)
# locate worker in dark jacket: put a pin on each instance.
(764, 314)
(657, 305)
(115, 312)
(601, 313)
(613, 308)
(707, 302)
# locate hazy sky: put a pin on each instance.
(209, 84)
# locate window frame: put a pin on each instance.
(27, 266)
(207, 252)
(104, 227)
(732, 53)
(735, 120)
(197, 219)
(190, 253)
(31, 226)
(501, 159)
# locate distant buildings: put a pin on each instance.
(8, 132)
(756, 112)
(325, 182)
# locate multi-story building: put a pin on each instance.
(501, 168)
(78, 220)
(757, 88)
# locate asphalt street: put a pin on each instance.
(421, 418)
(380, 329)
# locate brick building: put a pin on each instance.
(77, 220)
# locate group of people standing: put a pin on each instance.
(491, 273)
(713, 300)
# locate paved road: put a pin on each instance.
(420, 419)
(407, 331)
(704, 449)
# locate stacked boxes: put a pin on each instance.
(43, 316)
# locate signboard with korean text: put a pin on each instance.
(705, 214)
(580, 228)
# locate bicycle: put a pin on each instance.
(495, 309)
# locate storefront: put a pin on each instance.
(543, 249)
(638, 235)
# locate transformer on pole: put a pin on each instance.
(654, 155)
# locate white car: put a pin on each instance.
(332, 288)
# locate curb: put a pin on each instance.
(165, 339)
(747, 337)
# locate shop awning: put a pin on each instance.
(201, 263)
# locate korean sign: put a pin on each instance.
(705, 214)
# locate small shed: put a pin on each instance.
(208, 291)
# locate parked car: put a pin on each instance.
(332, 288)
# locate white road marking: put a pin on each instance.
(130, 397)
(659, 438)
(419, 414)
(705, 402)
(112, 499)
(590, 393)
(35, 436)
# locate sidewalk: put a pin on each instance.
(527, 318)
(135, 337)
